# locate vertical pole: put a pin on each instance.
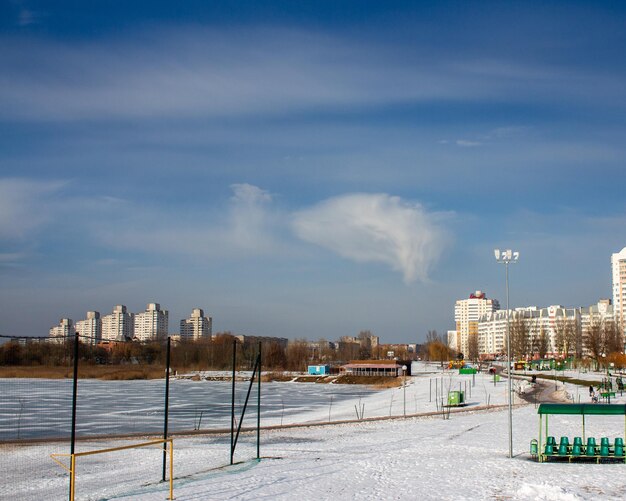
(258, 409)
(404, 387)
(171, 469)
(540, 445)
(72, 477)
(74, 395)
(166, 406)
(430, 390)
(232, 406)
(508, 356)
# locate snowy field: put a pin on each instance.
(424, 457)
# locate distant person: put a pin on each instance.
(590, 391)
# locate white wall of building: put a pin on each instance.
(466, 315)
(197, 326)
(151, 324)
(90, 329)
(117, 326)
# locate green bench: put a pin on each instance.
(578, 450)
(605, 451)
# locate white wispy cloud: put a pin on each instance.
(190, 72)
(465, 143)
(376, 228)
(246, 226)
(25, 205)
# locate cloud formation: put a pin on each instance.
(191, 72)
(24, 205)
(244, 227)
(375, 228)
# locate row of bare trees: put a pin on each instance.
(216, 353)
(599, 338)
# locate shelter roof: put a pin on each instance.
(597, 409)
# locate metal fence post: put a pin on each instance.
(258, 410)
(232, 406)
(74, 394)
(167, 403)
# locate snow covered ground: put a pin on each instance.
(426, 457)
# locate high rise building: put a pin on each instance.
(466, 315)
(618, 267)
(197, 326)
(118, 326)
(537, 322)
(152, 324)
(63, 330)
(90, 329)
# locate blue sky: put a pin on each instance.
(307, 169)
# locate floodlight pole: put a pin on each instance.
(507, 257)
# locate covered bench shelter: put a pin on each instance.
(387, 368)
(583, 410)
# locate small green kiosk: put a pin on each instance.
(582, 448)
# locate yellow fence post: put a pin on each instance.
(171, 469)
(72, 477)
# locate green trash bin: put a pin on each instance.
(456, 398)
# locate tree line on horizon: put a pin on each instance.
(204, 354)
(601, 344)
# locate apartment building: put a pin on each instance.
(618, 268)
(151, 324)
(197, 326)
(118, 326)
(467, 312)
(90, 328)
(64, 329)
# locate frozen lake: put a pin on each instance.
(42, 408)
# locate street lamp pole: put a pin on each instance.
(507, 257)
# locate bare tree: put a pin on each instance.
(565, 330)
(436, 347)
(472, 347)
(543, 343)
(365, 349)
(297, 355)
(594, 340)
(613, 337)
(519, 337)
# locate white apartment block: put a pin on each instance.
(466, 315)
(118, 326)
(492, 327)
(63, 330)
(197, 326)
(618, 267)
(602, 313)
(152, 324)
(90, 329)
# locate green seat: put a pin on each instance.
(604, 447)
(551, 441)
(577, 448)
(549, 450)
(563, 446)
(591, 447)
(619, 447)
